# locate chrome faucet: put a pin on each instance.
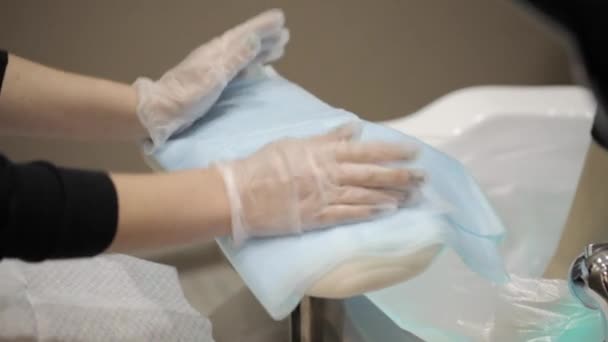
(588, 279)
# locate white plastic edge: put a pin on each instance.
(454, 113)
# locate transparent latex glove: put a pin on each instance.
(186, 92)
(294, 185)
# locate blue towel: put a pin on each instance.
(262, 107)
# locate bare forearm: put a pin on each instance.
(40, 101)
(167, 209)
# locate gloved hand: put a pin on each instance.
(293, 185)
(186, 92)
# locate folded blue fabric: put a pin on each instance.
(263, 107)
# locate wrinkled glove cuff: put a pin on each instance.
(238, 227)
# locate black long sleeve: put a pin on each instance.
(3, 62)
(50, 212)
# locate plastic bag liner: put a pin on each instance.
(543, 310)
(106, 298)
(528, 164)
(523, 310)
(263, 107)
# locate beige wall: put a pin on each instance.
(381, 58)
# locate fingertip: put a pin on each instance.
(349, 131)
(343, 132)
(277, 15)
(391, 152)
(285, 36)
(357, 128)
(271, 20)
(384, 209)
(265, 24)
(395, 151)
(417, 176)
(274, 48)
(410, 152)
(410, 197)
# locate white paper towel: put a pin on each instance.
(106, 298)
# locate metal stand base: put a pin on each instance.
(317, 320)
